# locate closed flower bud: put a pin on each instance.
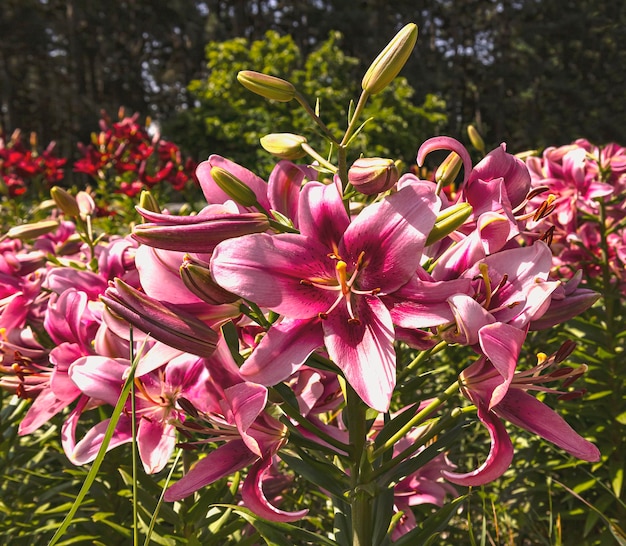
(198, 280)
(170, 326)
(148, 202)
(475, 138)
(65, 201)
(390, 60)
(267, 86)
(233, 187)
(449, 220)
(448, 170)
(370, 175)
(284, 145)
(32, 231)
(86, 204)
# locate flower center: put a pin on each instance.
(344, 283)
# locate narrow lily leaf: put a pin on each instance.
(431, 526)
(383, 508)
(280, 534)
(324, 475)
(95, 467)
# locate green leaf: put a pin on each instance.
(323, 474)
(281, 534)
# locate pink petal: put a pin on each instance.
(499, 458)
(525, 411)
(322, 214)
(44, 407)
(246, 400)
(214, 194)
(422, 304)
(268, 269)
(446, 143)
(87, 449)
(100, 377)
(391, 234)
(284, 188)
(283, 350)
(225, 460)
(501, 344)
(156, 441)
(159, 272)
(364, 352)
(470, 317)
(254, 498)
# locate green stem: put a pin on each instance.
(360, 470)
(302, 101)
(433, 431)
(417, 419)
(419, 359)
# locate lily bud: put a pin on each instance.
(32, 231)
(233, 187)
(148, 202)
(390, 60)
(370, 175)
(172, 327)
(267, 86)
(198, 280)
(448, 170)
(284, 145)
(449, 220)
(86, 204)
(200, 233)
(475, 138)
(65, 201)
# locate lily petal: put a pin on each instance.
(364, 352)
(283, 350)
(254, 498)
(525, 411)
(225, 460)
(499, 458)
(268, 269)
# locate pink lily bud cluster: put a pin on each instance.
(22, 166)
(125, 155)
(583, 187)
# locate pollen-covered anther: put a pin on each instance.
(354, 321)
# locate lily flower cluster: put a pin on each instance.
(126, 154)
(22, 165)
(265, 332)
(586, 185)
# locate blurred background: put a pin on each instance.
(527, 72)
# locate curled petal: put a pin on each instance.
(498, 460)
(255, 499)
(446, 143)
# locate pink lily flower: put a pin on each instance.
(157, 393)
(327, 282)
(499, 392)
(234, 412)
